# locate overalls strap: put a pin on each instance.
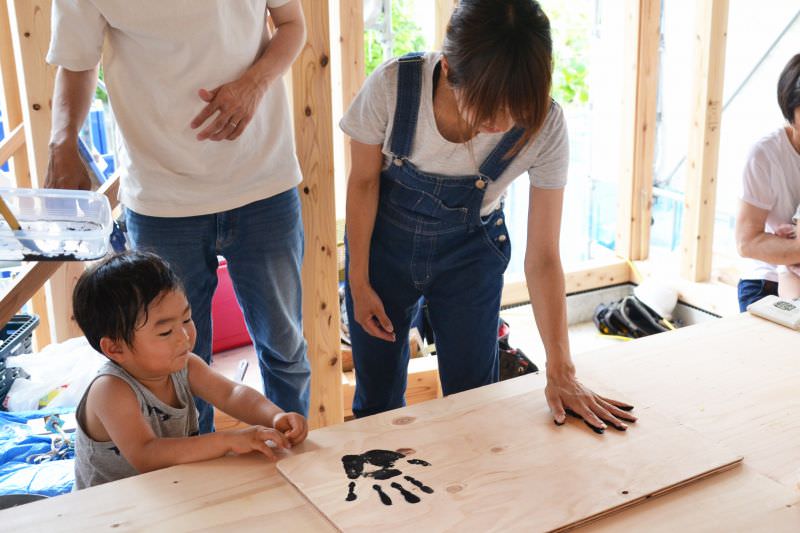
(409, 87)
(497, 162)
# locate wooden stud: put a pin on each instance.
(444, 8)
(353, 70)
(12, 111)
(701, 180)
(311, 82)
(12, 143)
(643, 31)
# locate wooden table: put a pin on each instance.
(736, 380)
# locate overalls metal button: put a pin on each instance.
(398, 162)
(499, 222)
(480, 184)
(502, 238)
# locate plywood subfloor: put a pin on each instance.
(498, 465)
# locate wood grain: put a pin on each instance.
(313, 124)
(486, 458)
(704, 134)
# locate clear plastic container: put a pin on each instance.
(57, 225)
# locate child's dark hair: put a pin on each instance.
(112, 298)
(789, 89)
(500, 56)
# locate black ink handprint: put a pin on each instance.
(384, 460)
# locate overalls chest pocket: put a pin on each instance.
(439, 199)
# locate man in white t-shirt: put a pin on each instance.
(770, 197)
(206, 152)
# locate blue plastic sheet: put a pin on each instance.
(17, 444)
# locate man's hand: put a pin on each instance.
(234, 104)
(66, 170)
(292, 425)
(567, 396)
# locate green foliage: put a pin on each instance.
(99, 93)
(571, 30)
(407, 36)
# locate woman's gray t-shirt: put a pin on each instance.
(100, 462)
(371, 115)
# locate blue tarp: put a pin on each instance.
(17, 444)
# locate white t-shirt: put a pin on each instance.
(156, 55)
(371, 117)
(771, 181)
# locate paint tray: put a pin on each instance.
(56, 225)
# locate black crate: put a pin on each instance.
(16, 336)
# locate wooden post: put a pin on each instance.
(12, 111)
(14, 116)
(703, 154)
(311, 82)
(353, 71)
(444, 8)
(643, 35)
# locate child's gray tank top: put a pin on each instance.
(100, 462)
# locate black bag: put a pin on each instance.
(513, 362)
(628, 317)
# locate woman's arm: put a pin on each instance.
(545, 278)
(363, 188)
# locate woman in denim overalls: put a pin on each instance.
(413, 232)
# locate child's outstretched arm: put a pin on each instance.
(242, 402)
(114, 404)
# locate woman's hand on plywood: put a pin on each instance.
(567, 396)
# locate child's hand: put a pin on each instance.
(254, 439)
(293, 425)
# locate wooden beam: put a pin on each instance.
(643, 35)
(12, 111)
(12, 142)
(593, 274)
(444, 8)
(701, 178)
(313, 124)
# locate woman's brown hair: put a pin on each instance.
(500, 59)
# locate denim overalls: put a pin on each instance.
(430, 240)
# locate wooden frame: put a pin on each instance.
(703, 154)
(643, 33)
(443, 10)
(313, 122)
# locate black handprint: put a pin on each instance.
(354, 467)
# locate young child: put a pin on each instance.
(138, 414)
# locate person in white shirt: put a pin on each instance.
(770, 196)
(206, 152)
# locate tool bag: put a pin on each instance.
(628, 317)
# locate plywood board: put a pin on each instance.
(496, 465)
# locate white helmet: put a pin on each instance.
(658, 296)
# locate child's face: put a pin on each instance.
(161, 345)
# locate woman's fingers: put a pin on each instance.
(616, 403)
(556, 408)
(616, 411)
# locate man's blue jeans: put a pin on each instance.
(263, 244)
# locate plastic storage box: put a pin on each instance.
(56, 225)
(17, 335)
